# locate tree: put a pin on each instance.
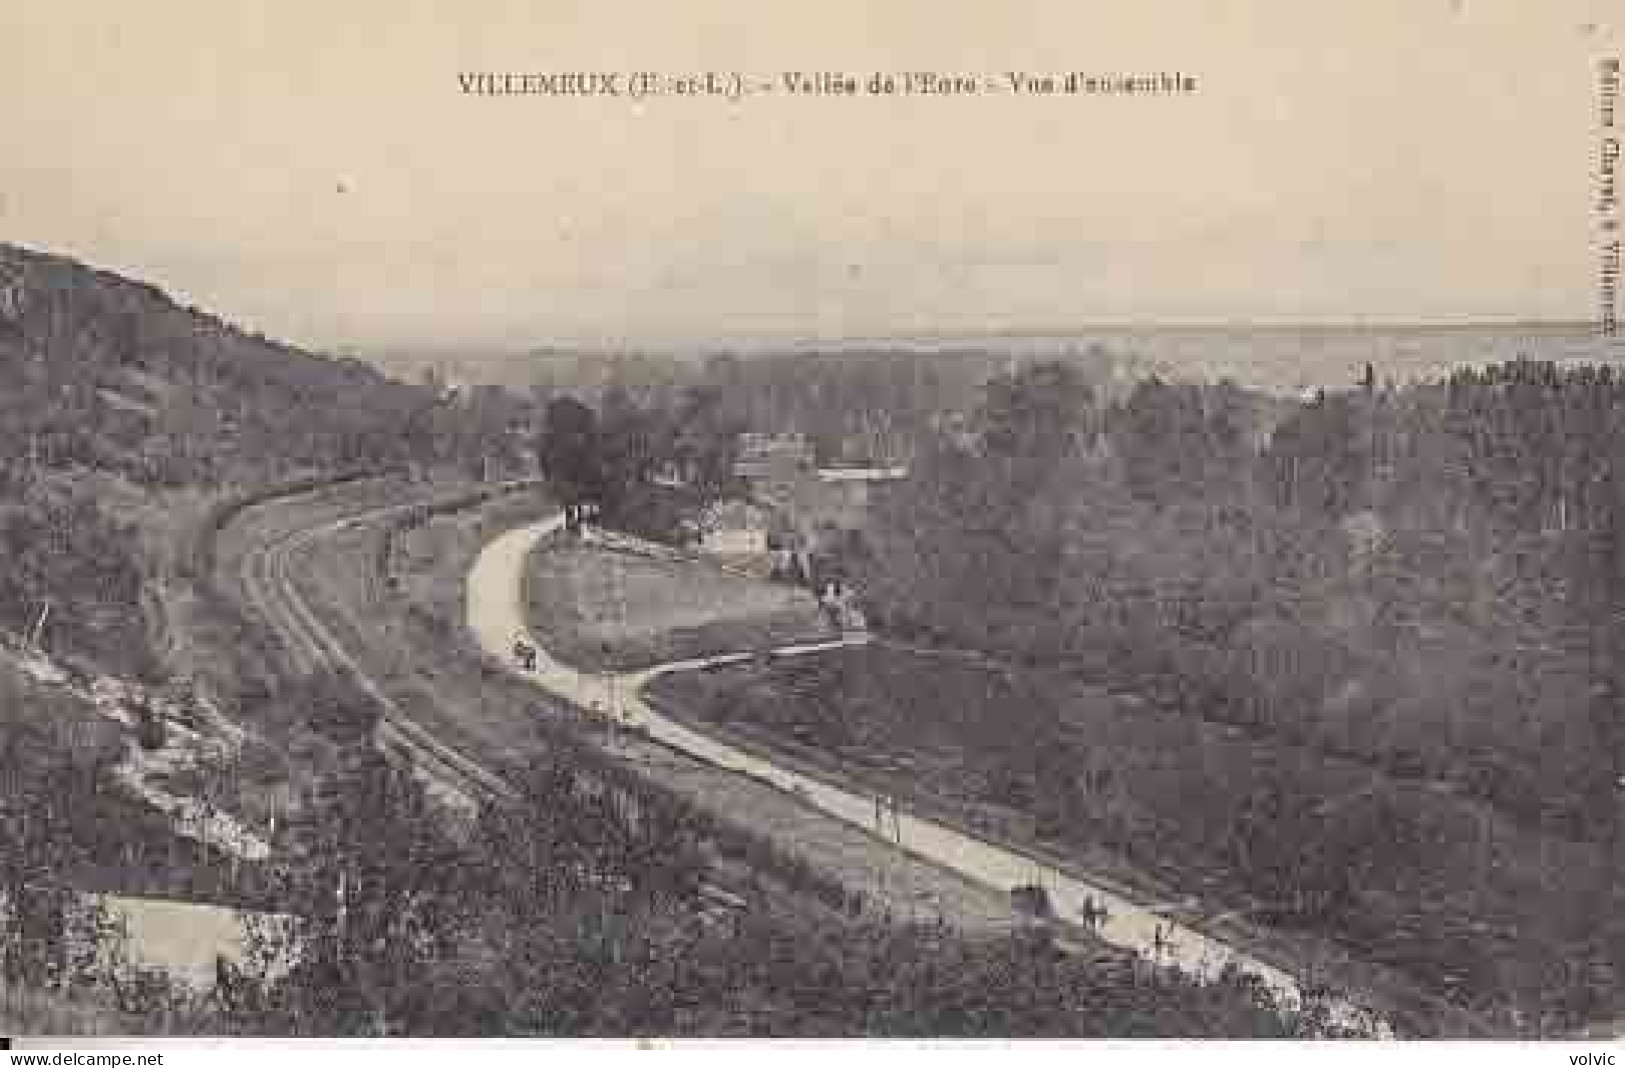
(1037, 413)
(1182, 442)
(1319, 457)
(380, 895)
(569, 454)
(627, 441)
(336, 708)
(705, 443)
(49, 933)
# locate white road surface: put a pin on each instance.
(496, 616)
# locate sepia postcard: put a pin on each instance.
(882, 520)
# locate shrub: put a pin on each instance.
(151, 733)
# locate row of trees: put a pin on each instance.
(857, 405)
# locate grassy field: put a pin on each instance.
(595, 609)
(1466, 903)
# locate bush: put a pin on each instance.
(151, 732)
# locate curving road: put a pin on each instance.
(496, 616)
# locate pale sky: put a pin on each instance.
(308, 167)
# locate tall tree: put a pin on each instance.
(569, 453)
(379, 891)
(706, 442)
(628, 439)
(48, 931)
(1037, 413)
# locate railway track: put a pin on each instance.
(309, 645)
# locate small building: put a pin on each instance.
(736, 528)
(764, 457)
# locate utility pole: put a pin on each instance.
(1368, 383)
(39, 624)
(340, 913)
(618, 614)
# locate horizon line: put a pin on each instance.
(728, 343)
(607, 343)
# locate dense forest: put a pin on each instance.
(1427, 577)
(109, 373)
(1427, 580)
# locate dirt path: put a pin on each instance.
(496, 616)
